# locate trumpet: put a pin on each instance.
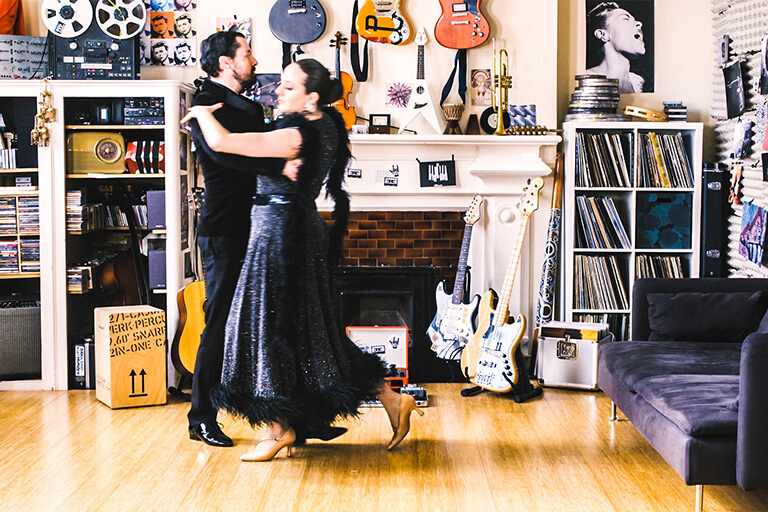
(501, 84)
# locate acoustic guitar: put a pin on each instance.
(192, 302)
(489, 359)
(461, 25)
(297, 21)
(343, 105)
(382, 21)
(453, 324)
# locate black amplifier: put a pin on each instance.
(143, 111)
(96, 40)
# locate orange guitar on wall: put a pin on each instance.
(192, 302)
(343, 105)
(461, 25)
(382, 21)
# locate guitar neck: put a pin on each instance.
(461, 273)
(338, 62)
(502, 308)
(420, 63)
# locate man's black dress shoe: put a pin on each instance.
(210, 434)
(325, 434)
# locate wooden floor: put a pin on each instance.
(65, 451)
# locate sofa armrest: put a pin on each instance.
(752, 443)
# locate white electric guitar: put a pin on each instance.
(453, 323)
(489, 359)
(420, 101)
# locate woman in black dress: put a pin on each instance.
(286, 359)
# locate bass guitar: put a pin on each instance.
(297, 21)
(382, 21)
(421, 102)
(490, 359)
(453, 323)
(461, 25)
(346, 110)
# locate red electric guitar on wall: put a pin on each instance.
(461, 25)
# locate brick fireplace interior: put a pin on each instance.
(392, 262)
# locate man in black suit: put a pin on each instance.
(224, 226)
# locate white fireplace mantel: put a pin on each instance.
(497, 167)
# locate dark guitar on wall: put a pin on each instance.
(297, 21)
(461, 25)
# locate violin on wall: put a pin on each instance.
(343, 105)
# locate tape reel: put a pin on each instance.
(66, 18)
(119, 19)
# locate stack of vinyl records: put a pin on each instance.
(675, 111)
(596, 98)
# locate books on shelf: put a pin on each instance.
(618, 323)
(601, 159)
(666, 267)
(598, 283)
(662, 161)
(599, 225)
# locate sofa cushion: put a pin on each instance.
(632, 361)
(705, 316)
(697, 404)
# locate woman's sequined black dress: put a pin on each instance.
(285, 354)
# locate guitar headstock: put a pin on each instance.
(473, 212)
(421, 37)
(338, 40)
(529, 201)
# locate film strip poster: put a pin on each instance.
(170, 35)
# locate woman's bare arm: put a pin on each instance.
(284, 143)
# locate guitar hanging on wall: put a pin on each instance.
(453, 324)
(343, 105)
(492, 359)
(382, 21)
(421, 101)
(297, 21)
(461, 25)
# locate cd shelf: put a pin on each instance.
(632, 197)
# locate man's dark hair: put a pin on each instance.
(216, 45)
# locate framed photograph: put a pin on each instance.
(735, 100)
(379, 123)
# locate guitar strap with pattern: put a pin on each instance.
(460, 63)
(361, 74)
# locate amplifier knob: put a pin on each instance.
(114, 46)
(73, 45)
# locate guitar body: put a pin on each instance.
(453, 324)
(489, 357)
(297, 21)
(382, 21)
(461, 25)
(192, 301)
(343, 105)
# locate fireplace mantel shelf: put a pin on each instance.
(452, 140)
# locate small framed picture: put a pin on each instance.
(379, 123)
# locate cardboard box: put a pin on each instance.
(130, 356)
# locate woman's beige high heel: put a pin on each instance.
(407, 406)
(267, 448)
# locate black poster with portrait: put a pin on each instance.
(620, 43)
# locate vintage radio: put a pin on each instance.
(97, 152)
(390, 344)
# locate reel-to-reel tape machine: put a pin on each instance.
(94, 39)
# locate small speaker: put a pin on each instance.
(714, 234)
(156, 209)
(20, 340)
(156, 269)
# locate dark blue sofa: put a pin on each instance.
(694, 378)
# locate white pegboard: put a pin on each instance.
(746, 23)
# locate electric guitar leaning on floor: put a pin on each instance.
(453, 323)
(489, 359)
(192, 303)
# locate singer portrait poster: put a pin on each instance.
(620, 42)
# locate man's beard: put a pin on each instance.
(246, 81)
